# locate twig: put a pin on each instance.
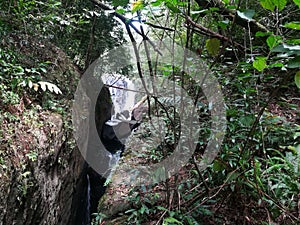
(159, 27)
(125, 89)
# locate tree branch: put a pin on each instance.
(232, 15)
(126, 21)
(205, 31)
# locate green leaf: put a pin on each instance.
(121, 11)
(292, 47)
(122, 3)
(280, 4)
(297, 79)
(218, 166)
(294, 63)
(156, 3)
(136, 6)
(172, 7)
(280, 65)
(297, 2)
(43, 69)
(273, 41)
(247, 14)
(293, 25)
(171, 220)
(260, 63)
(213, 46)
(267, 4)
(223, 24)
(262, 34)
(271, 4)
(295, 41)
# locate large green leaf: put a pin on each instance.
(213, 46)
(280, 4)
(292, 47)
(294, 63)
(297, 2)
(267, 4)
(271, 4)
(297, 79)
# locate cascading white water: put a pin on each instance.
(123, 99)
(119, 87)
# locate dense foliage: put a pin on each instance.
(252, 47)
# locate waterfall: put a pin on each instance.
(122, 99)
(92, 185)
(119, 87)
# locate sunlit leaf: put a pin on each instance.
(51, 87)
(267, 4)
(260, 63)
(262, 34)
(138, 5)
(297, 2)
(35, 86)
(273, 41)
(280, 4)
(156, 3)
(293, 25)
(43, 69)
(271, 4)
(297, 79)
(294, 41)
(121, 11)
(43, 85)
(30, 84)
(213, 46)
(171, 220)
(23, 83)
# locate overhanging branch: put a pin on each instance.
(232, 15)
(126, 21)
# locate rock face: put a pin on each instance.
(43, 176)
(44, 168)
(47, 179)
